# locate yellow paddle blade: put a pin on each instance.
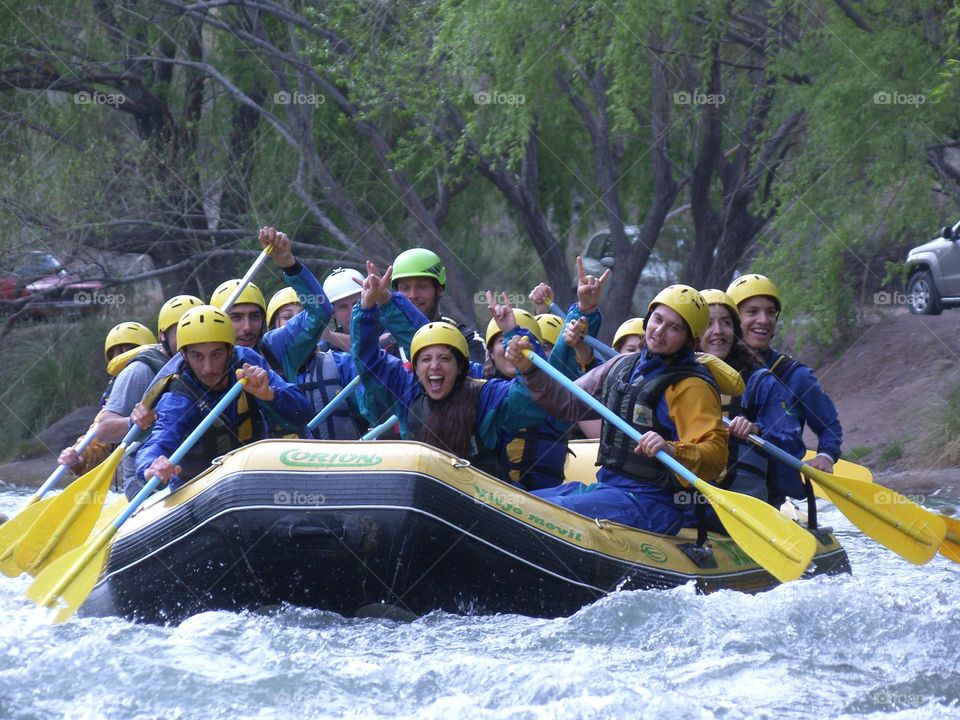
(779, 545)
(69, 519)
(67, 581)
(110, 514)
(951, 544)
(887, 516)
(840, 467)
(11, 532)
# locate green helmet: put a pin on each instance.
(419, 262)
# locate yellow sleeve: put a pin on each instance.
(694, 407)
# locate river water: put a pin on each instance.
(884, 642)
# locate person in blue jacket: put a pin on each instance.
(765, 408)
(438, 403)
(211, 364)
(758, 303)
(286, 348)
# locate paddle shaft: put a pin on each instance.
(334, 402)
(104, 537)
(375, 432)
(245, 280)
(598, 346)
(57, 475)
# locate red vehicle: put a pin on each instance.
(41, 285)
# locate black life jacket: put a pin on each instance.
(480, 456)
(154, 357)
(535, 457)
(748, 470)
(637, 403)
(222, 437)
(321, 382)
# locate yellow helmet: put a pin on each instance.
(286, 296)
(688, 303)
(203, 324)
(719, 297)
(438, 333)
(550, 327)
(251, 294)
(173, 309)
(633, 326)
(524, 320)
(748, 286)
(127, 333)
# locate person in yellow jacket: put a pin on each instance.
(667, 395)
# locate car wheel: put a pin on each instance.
(922, 295)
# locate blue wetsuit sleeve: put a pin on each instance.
(177, 416)
(378, 369)
(292, 344)
(818, 410)
(563, 357)
(402, 319)
(289, 401)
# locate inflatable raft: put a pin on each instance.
(392, 529)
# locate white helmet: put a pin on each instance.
(340, 284)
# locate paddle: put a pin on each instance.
(336, 400)
(65, 583)
(245, 280)
(70, 517)
(886, 516)
(780, 546)
(844, 467)
(12, 530)
(375, 432)
(598, 346)
(951, 545)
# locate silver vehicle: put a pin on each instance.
(934, 275)
(657, 273)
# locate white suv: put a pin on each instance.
(934, 275)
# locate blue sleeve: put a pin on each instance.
(378, 369)
(402, 319)
(818, 410)
(360, 400)
(177, 416)
(289, 401)
(292, 344)
(563, 357)
(769, 404)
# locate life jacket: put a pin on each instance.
(535, 457)
(152, 355)
(784, 366)
(480, 456)
(321, 382)
(223, 436)
(637, 403)
(748, 470)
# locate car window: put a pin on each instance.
(599, 246)
(38, 264)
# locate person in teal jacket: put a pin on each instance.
(438, 403)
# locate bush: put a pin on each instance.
(46, 370)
